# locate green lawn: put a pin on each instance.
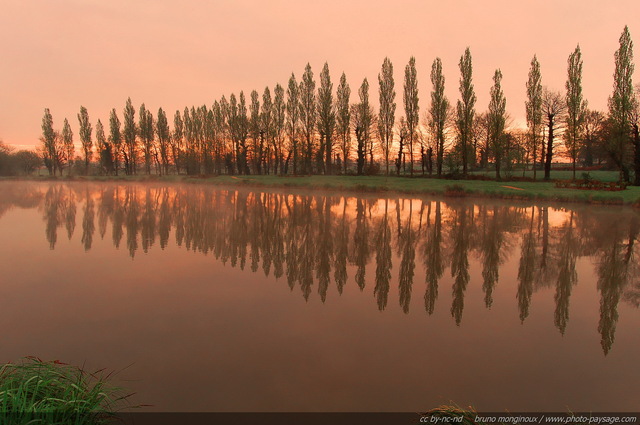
(524, 190)
(605, 176)
(418, 185)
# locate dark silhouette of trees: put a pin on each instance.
(465, 110)
(553, 109)
(387, 115)
(438, 113)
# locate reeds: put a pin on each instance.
(38, 392)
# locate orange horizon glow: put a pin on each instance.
(66, 54)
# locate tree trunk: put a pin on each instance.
(636, 162)
(547, 163)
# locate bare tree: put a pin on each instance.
(553, 109)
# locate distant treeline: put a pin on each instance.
(302, 129)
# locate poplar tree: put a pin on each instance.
(293, 121)
(103, 148)
(343, 118)
(164, 139)
(362, 122)
(533, 106)
(387, 115)
(255, 131)
(465, 110)
(497, 120)
(242, 133)
(219, 137)
(177, 140)
(622, 104)
(85, 137)
(115, 137)
(576, 106)
(129, 133)
(279, 120)
(67, 144)
(326, 119)
(51, 149)
(145, 126)
(439, 112)
(267, 127)
(308, 114)
(411, 107)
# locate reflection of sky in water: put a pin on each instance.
(324, 302)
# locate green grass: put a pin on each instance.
(480, 188)
(605, 176)
(35, 392)
(539, 190)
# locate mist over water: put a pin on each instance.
(226, 299)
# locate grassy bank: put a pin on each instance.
(421, 186)
(33, 391)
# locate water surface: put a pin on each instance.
(225, 299)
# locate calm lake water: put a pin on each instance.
(225, 299)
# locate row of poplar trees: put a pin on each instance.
(304, 130)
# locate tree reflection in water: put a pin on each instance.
(316, 239)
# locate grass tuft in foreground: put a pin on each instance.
(38, 392)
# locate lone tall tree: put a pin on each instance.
(387, 115)
(622, 103)
(466, 107)
(439, 112)
(576, 106)
(533, 107)
(497, 120)
(85, 136)
(411, 107)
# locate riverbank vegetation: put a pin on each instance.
(302, 128)
(34, 391)
(517, 190)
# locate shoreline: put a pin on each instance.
(423, 186)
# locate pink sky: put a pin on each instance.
(65, 53)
